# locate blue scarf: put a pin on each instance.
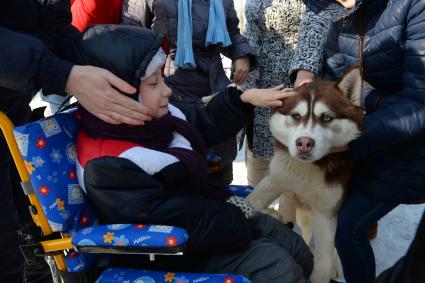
(216, 34)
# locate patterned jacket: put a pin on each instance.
(274, 28)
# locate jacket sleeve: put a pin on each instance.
(222, 118)
(27, 65)
(402, 117)
(136, 13)
(312, 35)
(240, 46)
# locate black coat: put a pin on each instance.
(31, 33)
(387, 37)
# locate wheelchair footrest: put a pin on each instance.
(115, 275)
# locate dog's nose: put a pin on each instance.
(304, 144)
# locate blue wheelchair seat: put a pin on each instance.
(49, 153)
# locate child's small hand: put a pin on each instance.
(271, 97)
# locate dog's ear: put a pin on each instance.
(351, 84)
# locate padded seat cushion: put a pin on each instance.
(131, 235)
(116, 275)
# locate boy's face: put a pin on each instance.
(154, 94)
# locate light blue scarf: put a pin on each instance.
(216, 34)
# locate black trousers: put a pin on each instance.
(276, 255)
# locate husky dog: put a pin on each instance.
(323, 115)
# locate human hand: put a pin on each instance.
(94, 89)
(271, 97)
(303, 76)
(241, 70)
(339, 149)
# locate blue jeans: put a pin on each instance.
(358, 212)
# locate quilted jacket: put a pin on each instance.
(387, 38)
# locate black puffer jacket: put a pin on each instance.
(387, 37)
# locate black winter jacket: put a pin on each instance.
(121, 191)
(387, 37)
(31, 33)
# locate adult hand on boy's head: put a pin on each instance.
(94, 89)
(241, 70)
(272, 97)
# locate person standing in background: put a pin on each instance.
(274, 27)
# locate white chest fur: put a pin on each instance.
(306, 181)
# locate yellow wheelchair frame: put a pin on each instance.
(48, 246)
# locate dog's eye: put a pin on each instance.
(326, 118)
(296, 116)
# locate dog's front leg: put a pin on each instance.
(264, 194)
(324, 229)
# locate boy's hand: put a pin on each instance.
(241, 70)
(94, 89)
(271, 97)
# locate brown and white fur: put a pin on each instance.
(323, 115)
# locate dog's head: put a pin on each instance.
(321, 116)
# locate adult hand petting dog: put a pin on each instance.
(271, 97)
(94, 89)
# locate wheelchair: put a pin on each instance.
(65, 227)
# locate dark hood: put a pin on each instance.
(124, 50)
(330, 9)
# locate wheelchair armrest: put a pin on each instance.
(239, 190)
(131, 238)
